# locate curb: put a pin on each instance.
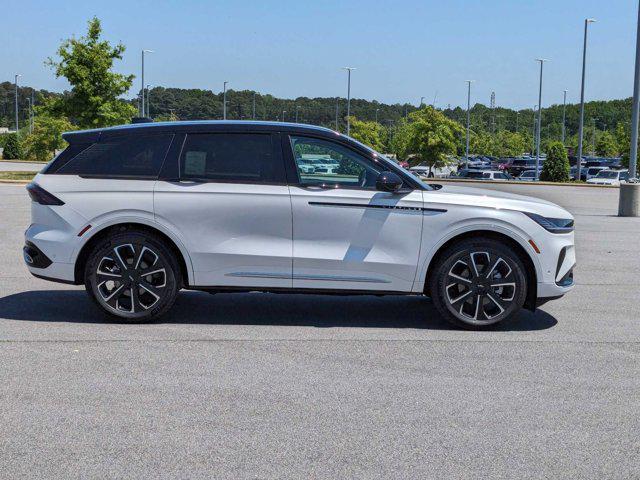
(511, 182)
(14, 182)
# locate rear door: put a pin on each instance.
(231, 207)
(346, 234)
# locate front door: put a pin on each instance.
(231, 208)
(346, 234)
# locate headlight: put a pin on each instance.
(553, 225)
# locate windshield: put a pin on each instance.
(607, 174)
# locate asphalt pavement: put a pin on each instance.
(302, 386)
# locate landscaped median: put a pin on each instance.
(16, 177)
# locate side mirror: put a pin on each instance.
(388, 182)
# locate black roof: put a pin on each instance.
(90, 136)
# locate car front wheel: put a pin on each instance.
(478, 282)
(132, 275)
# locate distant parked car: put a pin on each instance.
(610, 177)
(527, 176)
(592, 172)
(425, 171)
(520, 165)
(477, 174)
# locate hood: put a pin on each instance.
(480, 197)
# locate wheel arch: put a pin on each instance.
(525, 257)
(99, 234)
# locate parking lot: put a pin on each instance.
(296, 386)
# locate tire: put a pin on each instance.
(133, 276)
(478, 282)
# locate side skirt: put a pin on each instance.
(303, 291)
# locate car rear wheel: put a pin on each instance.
(133, 276)
(478, 282)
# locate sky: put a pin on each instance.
(402, 50)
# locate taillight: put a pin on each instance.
(41, 196)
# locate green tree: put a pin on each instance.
(509, 144)
(12, 148)
(433, 138)
(606, 146)
(482, 143)
(46, 137)
(369, 133)
(399, 137)
(556, 167)
(86, 63)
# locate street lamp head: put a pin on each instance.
(590, 20)
(541, 60)
(144, 50)
(349, 68)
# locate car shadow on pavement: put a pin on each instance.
(320, 311)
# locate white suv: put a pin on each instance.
(138, 212)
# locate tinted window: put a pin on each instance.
(232, 157)
(332, 164)
(130, 156)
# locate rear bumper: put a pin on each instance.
(54, 271)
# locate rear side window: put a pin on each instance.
(131, 156)
(63, 157)
(232, 158)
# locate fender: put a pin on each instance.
(488, 224)
(142, 217)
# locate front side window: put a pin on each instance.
(324, 163)
(232, 158)
(138, 156)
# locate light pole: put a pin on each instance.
(297, 109)
(421, 101)
(149, 100)
(283, 112)
(564, 115)
(29, 114)
(33, 112)
(377, 110)
(533, 138)
(541, 60)
(337, 109)
(629, 198)
(348, 69)
(587, 21)
(254, 105)
(16, 82)
(224, 101)
(468, 116)
(142, 108)
(635, 110)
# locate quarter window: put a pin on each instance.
(325, 163)
(233, 158)
(130, 156)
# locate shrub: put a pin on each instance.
(12, 150)
(556, 167)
